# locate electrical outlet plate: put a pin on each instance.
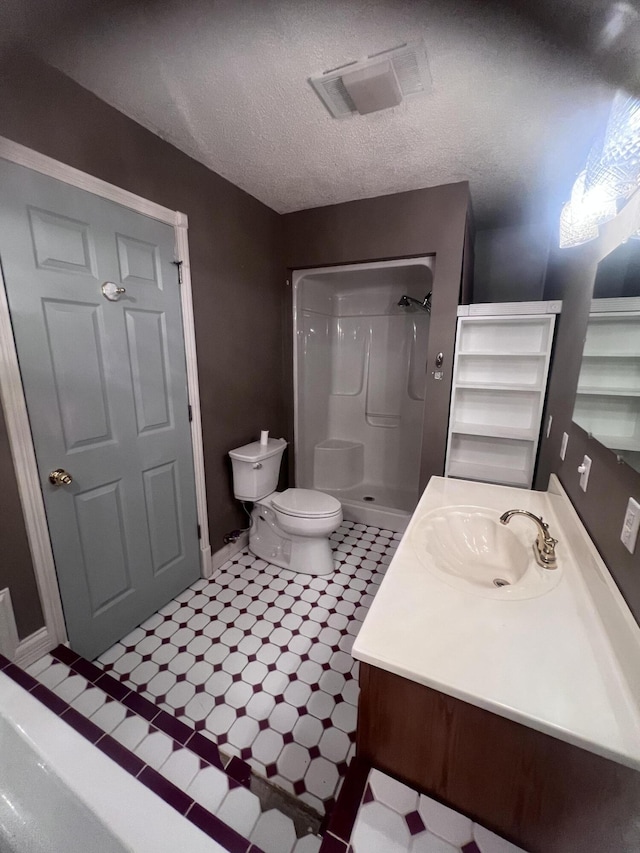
(563, 446)
(585, 470)
(630, 526)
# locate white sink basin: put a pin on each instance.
(468, 548)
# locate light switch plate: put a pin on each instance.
(563, 446)
(585, 470)
(630, 527)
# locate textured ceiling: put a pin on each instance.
(226, 82)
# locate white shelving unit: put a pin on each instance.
(608, 396)
(499, 384)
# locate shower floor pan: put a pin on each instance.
(378, 506)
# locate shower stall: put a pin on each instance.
(360, 351)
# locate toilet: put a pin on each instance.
(290, 529)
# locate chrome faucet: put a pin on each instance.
(545, 545)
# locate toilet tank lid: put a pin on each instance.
(255, 451)
(305, 502)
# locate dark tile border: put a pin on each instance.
(114, 688)
(169, 792)
(82, 725)
(65, 655)
(50, 699)
(345, 812)
(140, 706)
(120, 754)
(20, 676)
(331, 844)
(127, 760)
(205, 749)
(216, 829)
(171, 725)
(88, 670)
(239, 771)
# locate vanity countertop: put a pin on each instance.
(564, 663)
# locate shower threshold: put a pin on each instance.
(378, 506)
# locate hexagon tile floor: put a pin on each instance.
(258, 659)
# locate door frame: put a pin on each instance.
(15, 406)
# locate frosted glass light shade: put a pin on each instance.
(614, 162)
(581, 216)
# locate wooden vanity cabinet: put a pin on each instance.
(543, 794)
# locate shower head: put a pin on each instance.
(407, 301)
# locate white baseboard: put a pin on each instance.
(220, 557)
(206, 569)
(33, 647)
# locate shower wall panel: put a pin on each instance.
(361, 368)
(386, 414)
(314, 378)
(349, 347)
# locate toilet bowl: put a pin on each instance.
(290, 529)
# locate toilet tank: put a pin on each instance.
(256, 468)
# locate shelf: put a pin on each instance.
(609, 392)
(489, 473)
(611, 355)
(616, 442)
(491, 431)
(498, 386)
(497, 398)
(505, 354)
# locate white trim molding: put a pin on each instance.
(8, 630)
(15, 407)
(33, 647)
(16, 153)
(182, 253)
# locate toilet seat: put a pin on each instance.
(306, 503)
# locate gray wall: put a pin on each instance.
(602, 507)
(238, 288)
(421, 222)
(510, 263)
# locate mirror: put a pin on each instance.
(607, 403)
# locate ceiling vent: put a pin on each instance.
(380, 81)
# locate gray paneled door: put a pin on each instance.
(106, 389)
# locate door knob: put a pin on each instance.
(60, 477)
(111, 291)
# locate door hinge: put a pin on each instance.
(199, 532)
(179, 265)
(190, 410)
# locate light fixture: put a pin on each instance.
(586, 209)
(611, 176)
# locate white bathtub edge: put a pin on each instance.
(135, 815)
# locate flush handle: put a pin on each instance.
(256, 466)
(439, 359)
